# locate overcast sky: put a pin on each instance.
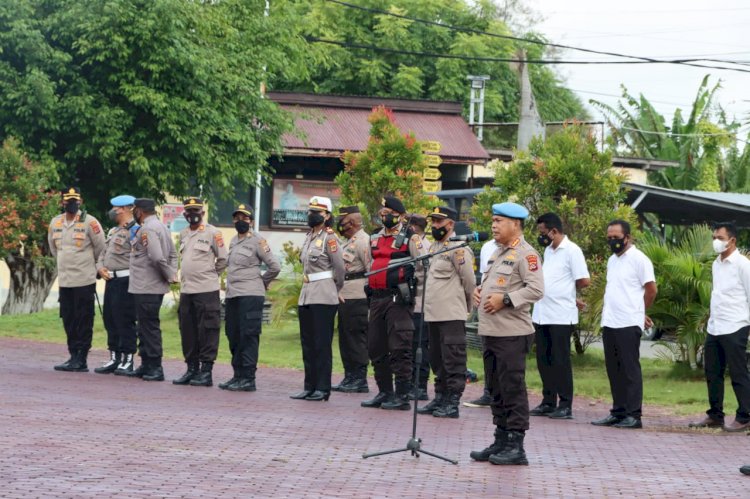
(653, 28)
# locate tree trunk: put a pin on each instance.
(30, 283)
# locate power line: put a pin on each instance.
(672, 134)
(528, 40)
(497, 59)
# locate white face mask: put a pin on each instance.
(720, 246)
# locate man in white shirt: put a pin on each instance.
(728, 327)
(631, 289)
(556, 315)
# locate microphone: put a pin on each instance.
(471, 238)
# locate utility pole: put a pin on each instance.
(259, 178)
(476, 97)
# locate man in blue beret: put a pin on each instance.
(512, 283)
(113, 266)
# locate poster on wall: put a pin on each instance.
(292, 196)
(171, 211)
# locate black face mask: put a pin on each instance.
(439, 234)
(71, 207)
(390, 221)
(544, 240)
(193, 218)
(315, 219)
(616, 245)
(242, 226)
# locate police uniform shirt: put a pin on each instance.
(426, 244)
(516, 270)
(730, 296)
(562, 267)
(450, 283)
(76, 245)
(321, 253)
(153, 258)
(203, 258)
(243, 266)
(627, 276)
(116, 255)
(357, 256)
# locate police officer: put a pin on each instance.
(203, 258)
(76, 240)
(512, 283)
(418, 225)
(119, 306)
(246, 290)
(391, 327)
(448, 300)
(323, 279)
(353, 309)
(153, 266)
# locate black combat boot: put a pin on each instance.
(242, 385)
(400, 401)
(501, 439)
(140, 370)
(378, 400)
(225, 384)
(126, 365)
(434, 405)
(421, 394)
(203, 378)
(154, 371)
(449, 409)
(513, 452)
(77, 362)
(64, 366)
(357, 382)
(192, 371)
(344, 382)
(111, 365)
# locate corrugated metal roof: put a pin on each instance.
(335, 130)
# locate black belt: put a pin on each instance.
(354, 275)
(383, 293)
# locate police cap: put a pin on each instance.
(441, 212)
(145, 204)
(245, 210)
(394, 204)
(124, 200)
(510, 210)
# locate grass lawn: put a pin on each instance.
(665, 383)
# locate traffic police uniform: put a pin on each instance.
(515, 273)
(203, 257)
(448, 301)
(119, 304)
(323, 278)
(353, 311)
(391, 327)
(153, 265)
(76, 244)
(246, 290)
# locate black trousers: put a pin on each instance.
(316, 336)
(119, 316)
(448, 355)
(553, 362)
(353, 335)
(147, 309)
(77, 314)
(244, 315)
(424, 365)
(720, 352)
(200, 323)
(505, 361)
(622, 359)
(390, 334)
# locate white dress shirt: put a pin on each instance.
(488, 249)
(627, 276)
(730, 297)
(562, 267)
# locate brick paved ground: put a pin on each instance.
(90, 435)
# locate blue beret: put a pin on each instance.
(510, 210)
(124, 200)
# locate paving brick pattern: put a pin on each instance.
(90, 435)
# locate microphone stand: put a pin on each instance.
(414, 445)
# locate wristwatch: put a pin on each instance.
(506, 301)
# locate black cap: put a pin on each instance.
(394, 204)
(348, 210)
(418, 220)
(71, 193)
(145, 204)
(444, 212)
(193, 203)
(244, 209)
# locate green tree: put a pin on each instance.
(393, 163)
(28, 204)
(567, 175)
(345, 70)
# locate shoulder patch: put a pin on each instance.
(460, 256)
(264, 245)
(95, 226)
(533, 261)
(333, 246)
(144, 238)
(219, 238)
(417, 241)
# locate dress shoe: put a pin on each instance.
(378, 400)
(629, 422)
(745, 470)
(242, 385)
(561, 413)
(707, 422)
(319, 396)
(225, 384)
(155, 373)
(736, 426)
(608, 421)
(542, 410)
(301, 395)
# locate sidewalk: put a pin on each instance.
(90, 435)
